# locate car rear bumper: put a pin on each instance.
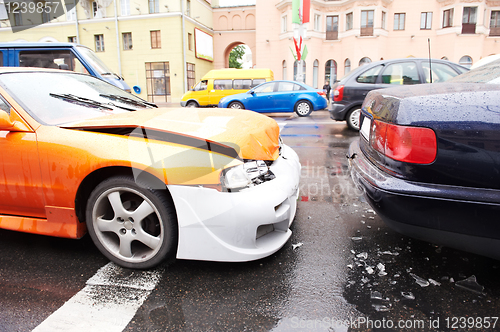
(238, 226)
(459, 217)
(337, 111)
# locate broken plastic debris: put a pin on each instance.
(434, 282)
(408, 295)
(349, 266)
(369, 269)
(356, 238)
(471, 285)
(371, 211)
(375, 295)
(295, 246)
(422, 282)
(387, 252)
(381, 307)
(365, 280)
(363, 255)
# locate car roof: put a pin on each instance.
(5, 70)
(383, 62)
(37, 44)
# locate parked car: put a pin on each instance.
(148, 184)
(219, 83)
(278, 96)
(428, 159)
(349, 93)
(66, 56)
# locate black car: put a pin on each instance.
(428, 160)
(350, 91)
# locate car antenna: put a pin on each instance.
(430, 66)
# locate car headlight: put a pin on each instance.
(248, 174)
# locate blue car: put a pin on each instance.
(278, 96)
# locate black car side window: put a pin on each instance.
(401, 73)
(4, 106)
(369, 76)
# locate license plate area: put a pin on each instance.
(365, 127)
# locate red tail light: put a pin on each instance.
(407, 144)
(322, 94)
(338, 94)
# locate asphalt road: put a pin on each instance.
(342, 270)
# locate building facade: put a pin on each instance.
(344, 34)
(150, 43)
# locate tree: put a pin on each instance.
(235, 56)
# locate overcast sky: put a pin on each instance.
(225, 3)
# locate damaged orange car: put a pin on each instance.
(148, 184)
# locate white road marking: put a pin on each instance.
(107, 303)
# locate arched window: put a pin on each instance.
(295, 67)
(315, 73)
(331, 71)
(364, 61)
(283, 66)
(466, 61)
(347, 66)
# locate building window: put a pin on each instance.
(315, 73)
(466, 61)
(72, 39)
(332, 27)
(348, 21)
(190, 41)
(284, 76)
(125, 7)
(97, 11)
(399, 21)
(364, 61)
(99, 43)
(448, 18)
(283, 24)
(70, 12)
(18, 20)
(188, 8)
(46, 12)
(367, 23)
(495, 23)
(295, 73)
(127, 41)
(154, 6)
(331, 71)
(347, 66)
(191, 74)
(469, 20)
(158, 81)
(384, 20)
(317, 22)
(155, 39)
(426, 21)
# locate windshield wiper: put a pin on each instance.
(81, 100)
(130, 101)
(89, 102)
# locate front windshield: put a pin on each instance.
(94, 61)
(41, 95)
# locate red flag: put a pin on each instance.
(306, 8)
(297, 48)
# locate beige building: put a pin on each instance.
(152, 44)
(342, 34)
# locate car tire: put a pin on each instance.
(352, 118)
(131, 224)
(192, 103)
(236, 105)
(303, 108)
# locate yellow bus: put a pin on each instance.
(219, 83)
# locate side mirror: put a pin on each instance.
(7, 124)
(251, 92)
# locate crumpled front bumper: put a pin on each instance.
(238, 226)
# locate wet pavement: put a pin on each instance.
(342, 270)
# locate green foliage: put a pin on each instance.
(235, 56)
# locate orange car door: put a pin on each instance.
(20, 178)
